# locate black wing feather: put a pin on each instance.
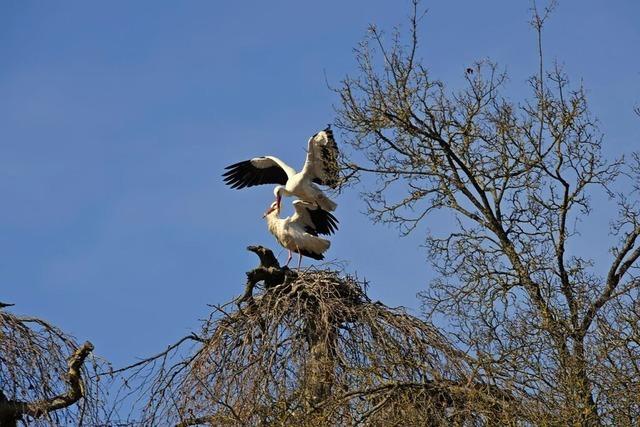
(245, 174)
(313, 255)
(324, 222)
(311, 230)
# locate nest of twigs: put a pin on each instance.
(312, 349)
(43, 377)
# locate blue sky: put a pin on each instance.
(117, 119)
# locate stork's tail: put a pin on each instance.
(326, 203)
(316, 248)
(311, 255)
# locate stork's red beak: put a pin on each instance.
(268, 211)
(278, 198)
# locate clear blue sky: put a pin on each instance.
(117, 118)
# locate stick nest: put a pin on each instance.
(312, 349)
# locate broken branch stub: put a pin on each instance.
(269, 272)
(12, 411)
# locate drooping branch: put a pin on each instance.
(311, 348)
(13, 410)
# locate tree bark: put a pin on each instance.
(269, 271)
(589, 416)
(11, 411)
(320, 368)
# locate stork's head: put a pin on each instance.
(278, 192)
(273, 208)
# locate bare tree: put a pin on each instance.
(310, 348)
(43, 378)
(518, 177)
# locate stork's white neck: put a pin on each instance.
(273, 219)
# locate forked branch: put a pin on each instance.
(13, 410)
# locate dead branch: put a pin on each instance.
(12, 410)
(43, 374)
(269, 272)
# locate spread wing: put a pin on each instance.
(257, 171)
(313, 219)
(322, 159)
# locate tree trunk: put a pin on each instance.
(320, 367)
(589, 416)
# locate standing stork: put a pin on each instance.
(299, 232)
(320, 167)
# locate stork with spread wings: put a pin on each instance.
(320, 168)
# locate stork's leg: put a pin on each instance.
(299, 260)
(288, 258)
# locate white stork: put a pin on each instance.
(320, 167)
(299, 232)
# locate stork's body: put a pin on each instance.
(299, 185)
(299, 232)
(320, 167)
